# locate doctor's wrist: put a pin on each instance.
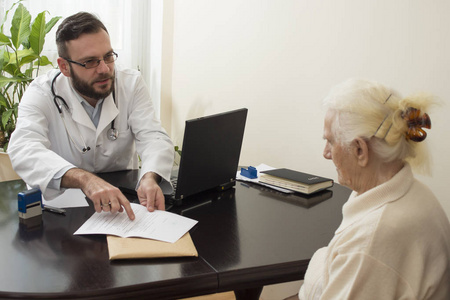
(152, 175)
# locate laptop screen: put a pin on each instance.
(210, 152)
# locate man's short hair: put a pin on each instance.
(74, 26)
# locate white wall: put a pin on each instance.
(280, 58)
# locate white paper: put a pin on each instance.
(70, 198)
(260, 168)
(158, 225)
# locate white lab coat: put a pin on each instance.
(40, 147)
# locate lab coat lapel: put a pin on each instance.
(109, 113)
(80, 116)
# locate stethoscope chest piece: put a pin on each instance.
(113, 134)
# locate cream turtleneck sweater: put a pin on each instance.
(393, 243)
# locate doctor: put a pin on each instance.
(90, 116)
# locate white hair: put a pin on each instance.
(372, 111)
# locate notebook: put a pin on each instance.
(210, 154)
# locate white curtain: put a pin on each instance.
(128, 23)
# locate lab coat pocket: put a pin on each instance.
(119, 153)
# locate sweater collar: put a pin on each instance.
(358, 206)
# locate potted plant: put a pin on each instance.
(20, 62)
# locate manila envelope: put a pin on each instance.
(130, 248)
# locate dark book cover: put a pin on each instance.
(305, 178)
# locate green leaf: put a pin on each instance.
(7, 13)
(2, 59)
(26, 56)
(21, 54)
(37, 36)
(44, 61)
(4, 40)
(5, 116)
(18, 60)
(5, 80)
(10, 69)
(2, 100)
(51, 23)
(20, 26)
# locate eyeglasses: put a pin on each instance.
(94, 63)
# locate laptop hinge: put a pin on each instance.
(226, 186)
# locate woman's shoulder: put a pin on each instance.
(417, 217)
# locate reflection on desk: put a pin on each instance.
(304, 200)
(219, 230)
(246, 238)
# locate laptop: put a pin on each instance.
(210, 154)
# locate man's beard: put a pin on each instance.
(85, 89)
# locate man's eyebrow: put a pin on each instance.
(95, 57)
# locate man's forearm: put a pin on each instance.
(76, 178)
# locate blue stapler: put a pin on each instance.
(250, 172)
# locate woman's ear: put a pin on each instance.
(63, 66)
(361, 151)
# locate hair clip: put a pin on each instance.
(382, 122)
(415, 124)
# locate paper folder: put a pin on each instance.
(133, 248)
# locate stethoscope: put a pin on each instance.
(112, 133)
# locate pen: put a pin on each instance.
(244, 184)
(53, 209)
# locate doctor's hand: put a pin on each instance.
(105, 196)
(149, 192)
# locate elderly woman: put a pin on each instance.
(394, 239)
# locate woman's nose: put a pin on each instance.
(327, 152)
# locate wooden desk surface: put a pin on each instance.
(246, 237)
(253, 236)
(48, 261)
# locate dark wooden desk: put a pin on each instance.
(247, 237)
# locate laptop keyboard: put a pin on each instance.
(174, 182)
(170, 198)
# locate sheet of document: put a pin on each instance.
(158, 225)
(70, 198)
(260, 168)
